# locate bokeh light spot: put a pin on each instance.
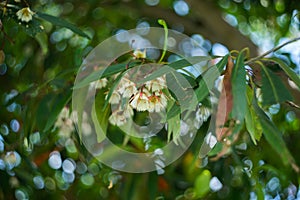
(181, 8)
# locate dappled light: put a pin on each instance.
(150, 99)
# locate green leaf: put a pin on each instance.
(202, 184)
(112, 89)
(60, 22)
(49, 108)
(174, 128)
(238, 82)
(292, 75)
(59, 102)
(42, 39)
(273, 136)
(179, 64)
(100, 116)
(78, 99)
(207, 79)
(103, 73)
(174, 110)
(273, 90)
(220, 65)
(252, 124)
(182, 90)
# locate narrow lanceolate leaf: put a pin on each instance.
(182, 90)
(174, 128)
(112, 89)
(225, 103)
(207, 79)
(274, 136)
(251, 121)
(292, 75)
(273, 90)
(238, 81)
(60, 22)
(100, 116)
(179, 64)
(102, 73)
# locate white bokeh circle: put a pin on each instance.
(83, 101)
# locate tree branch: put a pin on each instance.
(271, 51)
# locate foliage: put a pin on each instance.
(246, 144)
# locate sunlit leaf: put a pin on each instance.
(251, 121)
(238, 81)
(202, 184)
(273, 90)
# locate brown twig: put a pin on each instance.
(271, 51)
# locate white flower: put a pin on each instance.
(128, 111)
(202, 114)
(101, 83)
(114, 98)
(117, 118)
(127, 88)
(25, 14)
(156, 84)
(64, 123)
(258, 94)
(139, 54)
(140, 100)
(157, 102)
(129, 91)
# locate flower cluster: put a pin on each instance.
(148, 97)
(202, 114)
(64, 123)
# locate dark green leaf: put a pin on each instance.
(273, 135)
(238, 82)
(292, 75)
(60, 22)
(49, 108)
(175, 109)
(273, 90)
(59, 102)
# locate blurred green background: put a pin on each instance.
(38, 68)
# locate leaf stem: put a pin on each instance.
(164, 24)
(270, 51)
